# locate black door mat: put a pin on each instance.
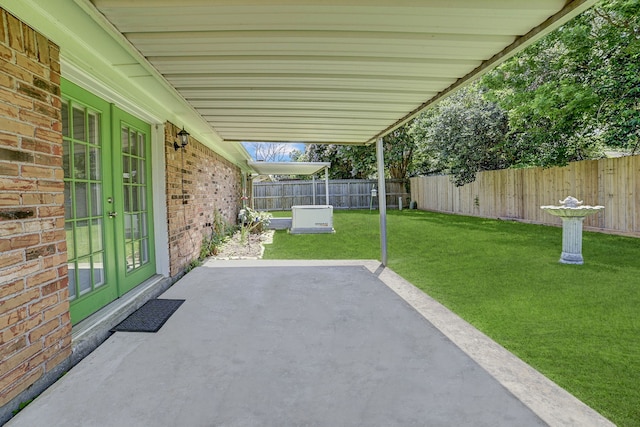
(150, 317)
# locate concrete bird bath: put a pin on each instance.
(573, 214)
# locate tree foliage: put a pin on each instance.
(464, 134)
(576, 90)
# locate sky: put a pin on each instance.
(282, 149)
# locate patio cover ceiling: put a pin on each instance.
(330, 71)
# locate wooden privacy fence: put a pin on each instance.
(343, 194)
(519, 193)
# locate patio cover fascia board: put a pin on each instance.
(288, 168)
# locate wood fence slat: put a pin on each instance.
(519, 193)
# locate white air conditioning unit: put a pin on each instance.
(309, 219)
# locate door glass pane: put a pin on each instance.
(79, 161)
(126, 170)
(81, 200)
(125, 140)
(65, 159)
(144, 248)
(68, 228)
(79, 130)
(95, 160)
(71, 270)
(96, 199)
(98, 270)
(94, 128)
(135, 198)
(96, 235)
(68, 201)
(65, 119)
(140, 176)
(84, 275)
(83, 244)
(82, 160)
(141, 141)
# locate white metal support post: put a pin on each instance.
(313, 188)
(326, 185)
(382, 202)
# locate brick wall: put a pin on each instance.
(35, 329)
(199, 182)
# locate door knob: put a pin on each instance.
(113, 214)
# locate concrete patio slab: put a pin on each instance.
(263, 343)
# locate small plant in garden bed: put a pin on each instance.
(220, 232)
(252, 221)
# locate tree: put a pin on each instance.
(347, 161)
(576, 90)
(462, 135)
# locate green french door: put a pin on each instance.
(108, 218)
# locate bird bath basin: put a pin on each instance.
(573, 214)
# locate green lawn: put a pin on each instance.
(579, 325)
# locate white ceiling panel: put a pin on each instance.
(340, 71)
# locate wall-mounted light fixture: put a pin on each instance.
(184, 139)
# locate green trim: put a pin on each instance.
(84, 305)
(130, 279)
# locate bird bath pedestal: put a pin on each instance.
(573, 214)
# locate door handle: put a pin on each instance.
(113, 214)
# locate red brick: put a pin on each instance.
(19, 329)
(41, 278)
(13, 126)
(51, 187)
(48, 134)
(22, 356)
(46, 110)
(51, 211)
(9, 110)
(12, 346)
(5, 80)
(52, 236)
(43, 330)
(36, 172)
(18, 272)
(19, 300)
(55, 261)
(9, 229)
(43, 48)
(57, 311)
(30, 144)
(14, 27)
(9, 199)
(53, 287)
(19, 385)
(24, 241)
(60, 357)
(10, 258)
(7, 140)
(16, 184)
(39, 252)
(29, 41)
(26, 115)
(14, 98)
(11, 318)
(57, 337)
(32, 92)
(46, 160)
